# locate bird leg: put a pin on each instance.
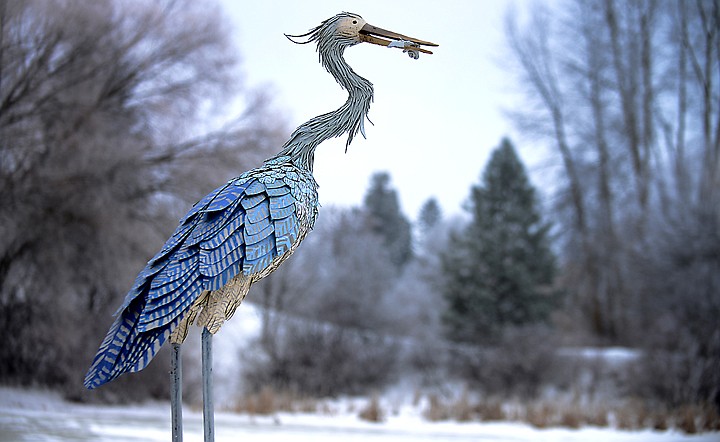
(211, 310)
(207, 387)
(176, 393)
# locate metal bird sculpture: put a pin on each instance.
(242, 231)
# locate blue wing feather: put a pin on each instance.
(252, 201)
(276, 184)
(163, 310)
(281, 212)
(282, 201)
(168, 286)
(214, 256)
(255, 187)
(153, 307)
(174, 271)
(240, 226)
(230, 194)
(287, 227)
(214, 222)
(212, 270)
(221, 279)
(261, 248)
(252, 266)
(259, 222)
(126, 347)
(257, 214)
(226, 233)
(261, 234)
(278, 191)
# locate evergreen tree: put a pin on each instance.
(386, 219)
(429, 219)
(430, 215)
(500, 266)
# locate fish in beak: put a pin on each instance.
(373, 34)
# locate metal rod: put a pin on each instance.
(176, 393)
(208, 413)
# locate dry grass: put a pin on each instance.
(437, 410)
(711, 419)
(461, 410)
(597, 416)
(269, 401)
(659, 421)
(631, 415)
(541, 415)
(373, 412)
(686, 419)
(626, 415)
(490, 410)
(572, 418)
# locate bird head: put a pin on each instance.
(347, 29)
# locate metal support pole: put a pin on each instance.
(176, 393)
(208, 413)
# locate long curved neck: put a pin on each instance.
(349, 118)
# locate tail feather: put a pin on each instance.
(126, 348)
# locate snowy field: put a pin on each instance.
(45, 417)
(39, 416)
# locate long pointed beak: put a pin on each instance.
(371, 34)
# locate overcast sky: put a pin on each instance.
(436, 118)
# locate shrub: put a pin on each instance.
(373, 412)
(519, 366)
(320, 360)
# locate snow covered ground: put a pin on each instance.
(39, 416)
(44, 417)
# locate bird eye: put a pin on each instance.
(354, 22)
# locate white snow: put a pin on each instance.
(43, 416)
(232, 338)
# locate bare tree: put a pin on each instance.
(625, 91)
(101, 150)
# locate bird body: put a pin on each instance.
(242, 231)
(279, 205)
(235, 236)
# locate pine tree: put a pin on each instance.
(430, 215)
(387, 220)
(500, 266)
(429, 220)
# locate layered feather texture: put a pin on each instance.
(248, 226)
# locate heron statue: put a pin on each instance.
(239, 233)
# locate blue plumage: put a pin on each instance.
(242, 226)
(256, 232)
